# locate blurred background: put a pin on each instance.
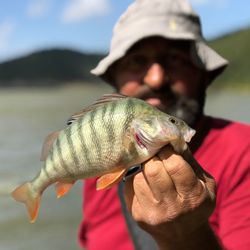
(47, 48)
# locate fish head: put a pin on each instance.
(153, 132)
(185, 131)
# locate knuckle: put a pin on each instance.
(138, 177)
(175, 165)
(199, 197)
(153, 171)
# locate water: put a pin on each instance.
(229, 104)
(27, 116)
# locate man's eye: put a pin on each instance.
(177, 60)
(137, 62)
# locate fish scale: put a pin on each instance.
(105, 140)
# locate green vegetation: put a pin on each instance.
(234, 47)
(49, 67)
(57, 66)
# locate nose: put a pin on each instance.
(155, 76)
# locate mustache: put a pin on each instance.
(146, 92)
(181, 106)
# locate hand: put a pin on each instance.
(171, 199)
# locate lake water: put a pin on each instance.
(27, 116)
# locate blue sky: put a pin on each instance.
(86, 25)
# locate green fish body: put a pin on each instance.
(105, 139)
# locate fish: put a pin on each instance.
(103, 140)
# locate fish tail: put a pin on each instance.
(25, 195)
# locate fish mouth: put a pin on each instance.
(189, 135)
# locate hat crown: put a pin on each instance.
(170, 19)
(144, 7)
(177, 16)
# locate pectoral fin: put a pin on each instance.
(108, 180)
(63, 188)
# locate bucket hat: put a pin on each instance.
(170, 19)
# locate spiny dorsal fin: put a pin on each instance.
(99, 102)
(48, 142)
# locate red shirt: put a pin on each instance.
(225, 154)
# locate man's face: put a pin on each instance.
(161, 72)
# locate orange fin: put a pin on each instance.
(108, 180)
(63, 188)
(24, 194)
(48, 142)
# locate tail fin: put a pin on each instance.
(24, 194)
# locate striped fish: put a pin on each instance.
(104, 140)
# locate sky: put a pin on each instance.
(86, 25)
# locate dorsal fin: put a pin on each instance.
(48, 142)
(99, 102)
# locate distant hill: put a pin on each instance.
(236, 48)
(56, 66)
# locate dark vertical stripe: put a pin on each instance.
(72, 151)
(130, 111)
(83, 143)
(111, 126)
(104, 110)
(53, 158)
(94, 135)
(51, 162)
(63, 164)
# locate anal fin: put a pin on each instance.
(63, 188)
(108, 180)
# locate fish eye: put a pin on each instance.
(70, 121)
(172, 120)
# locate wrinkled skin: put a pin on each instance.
(170, 201)
(173, 197)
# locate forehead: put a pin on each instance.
(160, 44)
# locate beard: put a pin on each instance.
(186, 108)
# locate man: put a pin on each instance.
(158, 54)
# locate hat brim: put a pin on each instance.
(211, 61)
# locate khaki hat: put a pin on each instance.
(171, 19)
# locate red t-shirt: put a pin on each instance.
(225, 154)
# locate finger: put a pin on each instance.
(187, 155)
(181, 173)
(129, 195)
(138, 190)
(142, 190)
(200, 172)
(158, 180)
